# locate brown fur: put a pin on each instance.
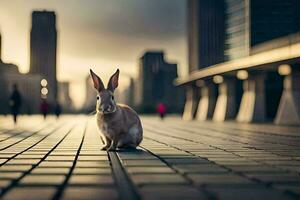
(119, 124)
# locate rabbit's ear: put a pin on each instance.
(98, 84)
(113, 81)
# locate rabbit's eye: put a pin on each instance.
(98, 97)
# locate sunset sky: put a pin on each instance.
(97, 34)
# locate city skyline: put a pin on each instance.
(95, 36)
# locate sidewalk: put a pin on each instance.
(61, 159)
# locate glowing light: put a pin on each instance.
(44, 91)
(218, 79)
(242, 74)
(44, 82)
(284, 70)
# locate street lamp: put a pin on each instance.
(44, 89)
(44, 82)
(217, 79)
(242, 74)
(284, 70)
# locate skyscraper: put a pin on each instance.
(251, 22)
(205, 33)
(43, 43)
(154, 84)
(223, 30)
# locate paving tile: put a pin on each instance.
(203, 168)
(206, 179)
(42, 179)
(256, 169)
(92, 164)
(90, 170)
(52, 170)
(292, 187)
(30, 193)
(186, 161)
(4, 184)
(140, 163)
(92, 158)
(248, 194)
(56, 164)
(29, 156)
(158, 179)
(10, 175)
(15, 168)
(90, 193)
(23, 162)
(277, 178)
(91, 180)
(150, 170)
(173, 192)
(60, 158)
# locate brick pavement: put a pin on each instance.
(61, 159)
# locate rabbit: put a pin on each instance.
(120, 125)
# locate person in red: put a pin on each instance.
(44, 108)
(161, 109)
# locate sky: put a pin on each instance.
(100, 34)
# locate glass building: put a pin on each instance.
(223, 30)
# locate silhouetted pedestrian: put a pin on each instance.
(161, 110)
(44, 107)
(57, 110)
(15, 102)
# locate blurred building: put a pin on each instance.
(64, 98)
(28, 86)
(254, 73)
(43, 43)
(90, 96)
(154, 84)
(130, 92)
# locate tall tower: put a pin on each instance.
(43, 42)
(206, 33)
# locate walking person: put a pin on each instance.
(161, 110)
(44, 107)
(57, 109)
(15, 102)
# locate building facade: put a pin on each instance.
(43, 45)
(259, 72)
(64, 98)
(27, 84)
(205, 33)
(155, 84)
(223, 30)
(89, 105)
